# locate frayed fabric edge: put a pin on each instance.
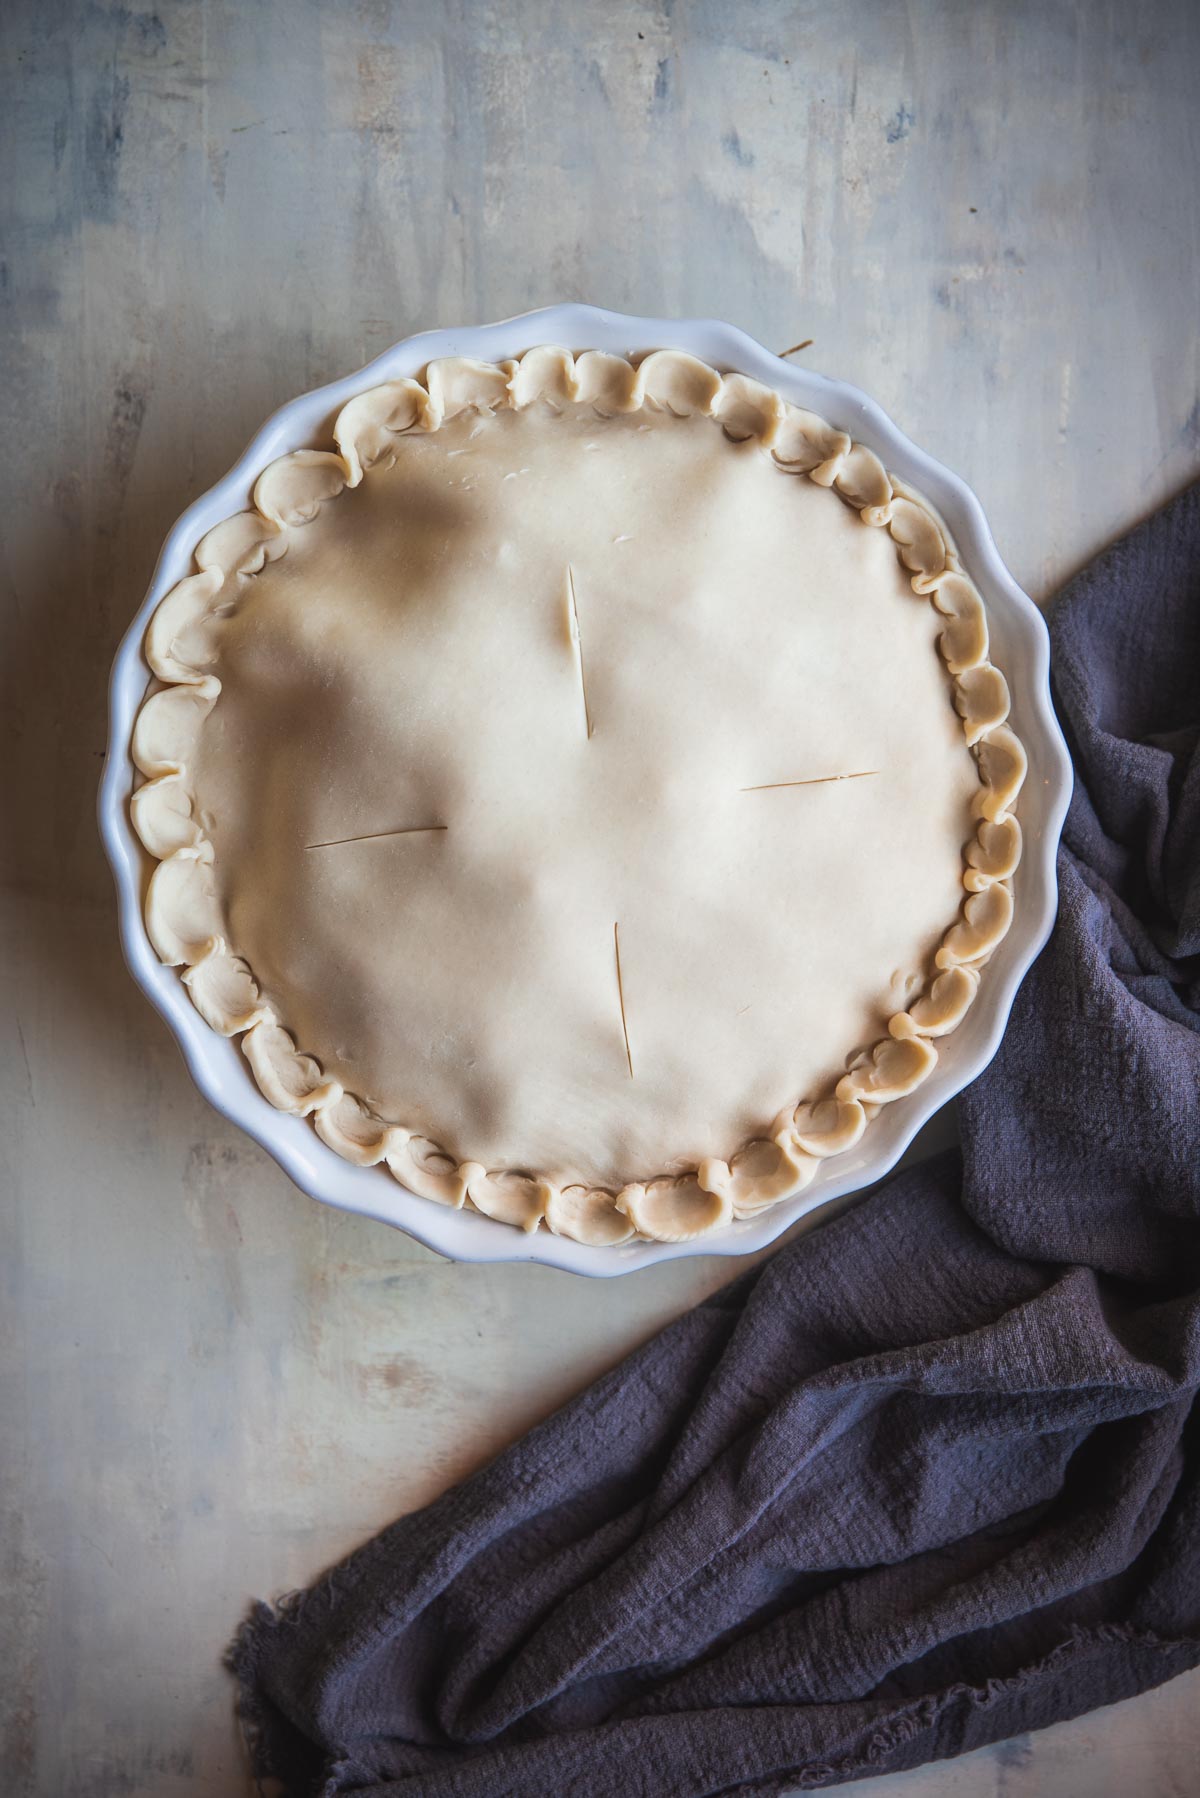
(893, 1744)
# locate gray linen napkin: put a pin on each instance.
(928, 1477)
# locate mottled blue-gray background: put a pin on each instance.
(986, 214)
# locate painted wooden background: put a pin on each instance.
(985, 214)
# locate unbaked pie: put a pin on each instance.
(586, 791)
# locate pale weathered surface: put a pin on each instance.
(985, 215)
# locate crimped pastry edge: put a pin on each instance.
(180, 905)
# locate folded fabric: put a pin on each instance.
(927, 1478)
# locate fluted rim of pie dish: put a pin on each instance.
(215, 1063)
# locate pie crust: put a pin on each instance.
(501, 810)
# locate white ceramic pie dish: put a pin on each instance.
(1017, 631)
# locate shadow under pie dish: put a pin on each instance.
(585, 790)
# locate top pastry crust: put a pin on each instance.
(614, 819)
